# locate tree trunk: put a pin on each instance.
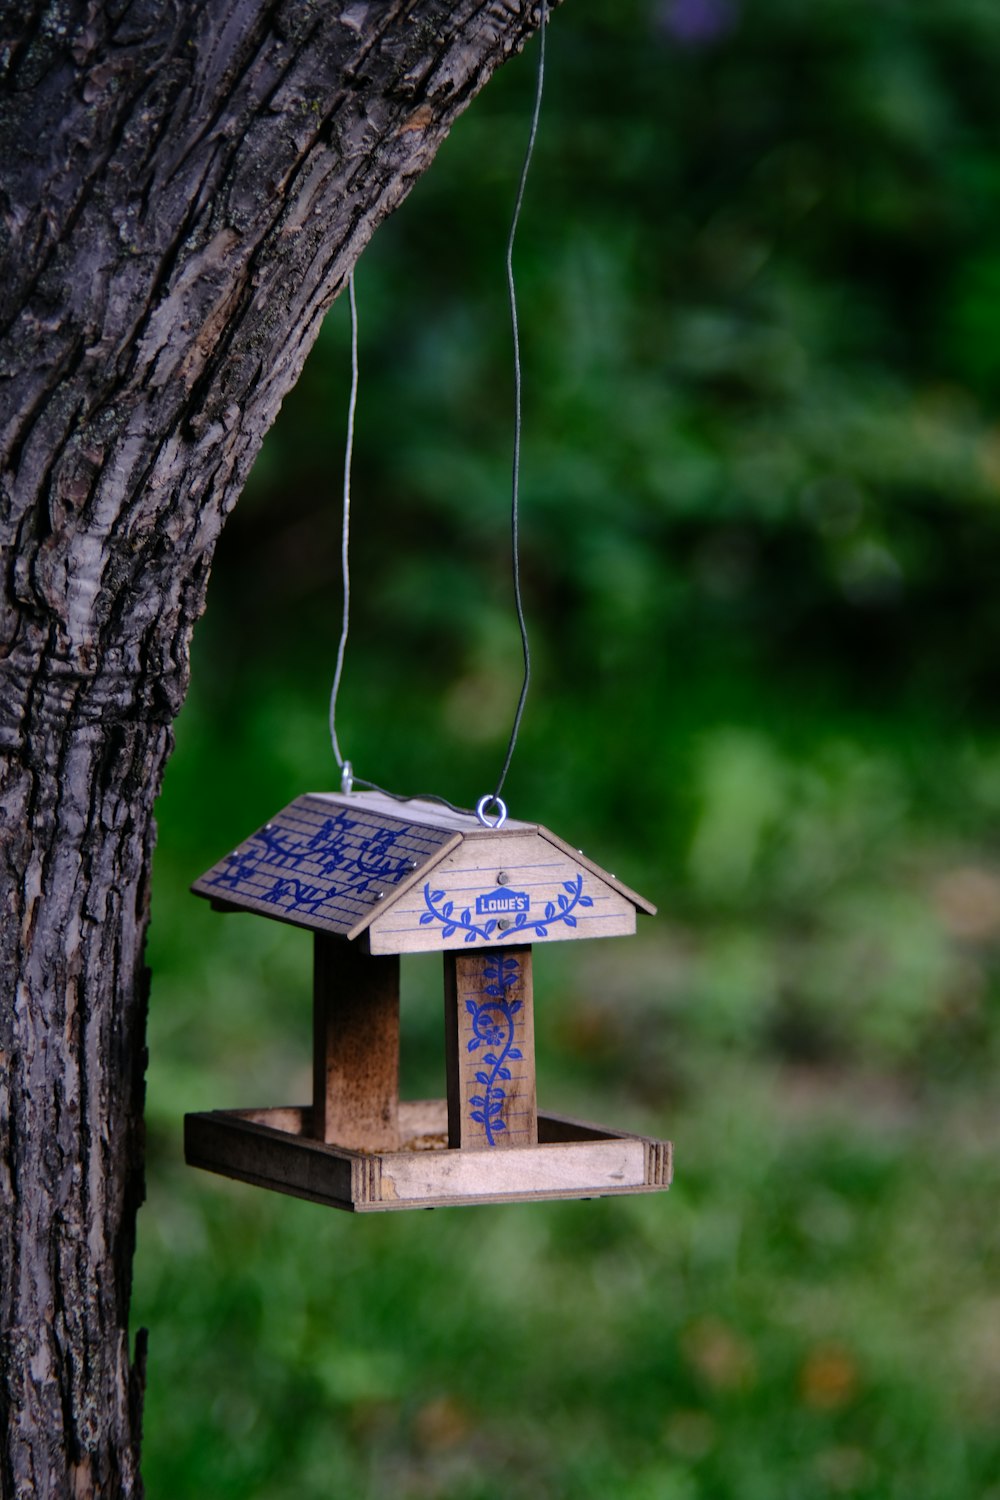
(185, 185)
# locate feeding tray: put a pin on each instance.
(276, 1148)
(374, 878)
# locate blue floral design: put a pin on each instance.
(493, 1026)
(561, 910)
(330, 853)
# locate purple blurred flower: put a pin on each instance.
(697, 23)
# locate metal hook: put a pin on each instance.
(346, 777)
(498, 803)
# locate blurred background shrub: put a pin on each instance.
(759, 275)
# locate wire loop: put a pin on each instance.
(491, 800)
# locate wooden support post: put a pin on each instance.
(355, 1047)
(490, 1049)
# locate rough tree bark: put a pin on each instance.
(184, 185)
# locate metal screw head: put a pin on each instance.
(503, 878)
(503, 924)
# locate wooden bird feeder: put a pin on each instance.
(373, 878)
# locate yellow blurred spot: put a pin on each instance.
(829, 1379)
(441, 1423)
(967, 901)
(723, 1359)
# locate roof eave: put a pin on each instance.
(580, 858)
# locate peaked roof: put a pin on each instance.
(336, 862)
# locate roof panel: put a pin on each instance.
(322, 863)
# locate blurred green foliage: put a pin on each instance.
(759, 273)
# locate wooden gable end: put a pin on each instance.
(494, 890)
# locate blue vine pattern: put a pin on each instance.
(493, 1026)
(561, 910)
(330, 851)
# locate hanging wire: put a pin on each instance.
(516, 474)
(345, 539)
(347, 777)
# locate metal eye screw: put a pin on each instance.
(501, 811)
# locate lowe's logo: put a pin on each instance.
(499, 902)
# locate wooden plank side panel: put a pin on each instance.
(490, 1049)
(590, 1167)
(422, 1119)
(234, 1146)
(491, 892)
